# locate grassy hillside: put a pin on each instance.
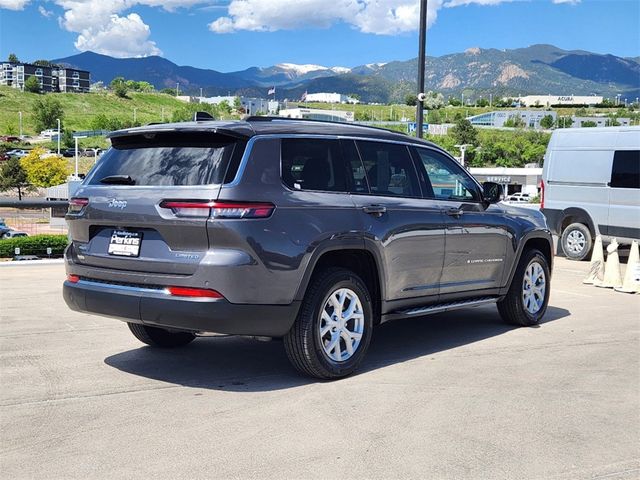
(79, 109)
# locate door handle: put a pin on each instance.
(455, 212)
(375, 210)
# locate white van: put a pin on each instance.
(591, 186)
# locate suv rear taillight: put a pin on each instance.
(541, 193)
(76, 204)
(198, 208)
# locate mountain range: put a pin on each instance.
(538, 69)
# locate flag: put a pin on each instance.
(304, 97)
(272, 91)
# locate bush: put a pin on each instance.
(36, 245)
(44, 171)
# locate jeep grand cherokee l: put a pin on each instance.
(309, 231)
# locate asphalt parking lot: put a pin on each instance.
(457, 395)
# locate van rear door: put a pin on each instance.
(624, 196)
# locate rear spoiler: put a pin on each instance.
(239, 130)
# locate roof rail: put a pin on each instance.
(202, 117)
(313, 120)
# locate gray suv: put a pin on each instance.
(312, 232)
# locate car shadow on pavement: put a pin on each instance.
(243, 365)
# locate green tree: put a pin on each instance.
(464, 133)
(169, 91)
(454, 102)
(119, 87)
(31, 84)
(564, 122)
(44, 170)
(46, 111)
(515, 121)
(482, 102)
(547, 122)
(12, 175)
(411, 99)
(44, 63)
(67, 139)
(13, 58)
(589, 124)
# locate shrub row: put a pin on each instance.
(36, 245)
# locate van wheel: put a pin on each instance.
(332, 332)
(159, 337)
(576, 241)
(526, 301)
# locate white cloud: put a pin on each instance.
(570, 2)
(44, 12)
(382, 17)
(14, 4)
(102, 26)
(119, 37)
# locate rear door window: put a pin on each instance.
(313, 164)
(626, 169)
(389, 169)
(167, 159)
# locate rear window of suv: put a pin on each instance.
(167, 159)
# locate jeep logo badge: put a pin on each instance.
(115, 203)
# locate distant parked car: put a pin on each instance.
(69, 152)
(18, 153)
(519, 197)
(4, 156)
(22, 258)
(13, 234)
(50, 133)
(9, 139)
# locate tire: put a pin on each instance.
(159, 337)
(308, 349)
(514, 308)
(577, 241)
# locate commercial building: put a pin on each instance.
(548, 100)
(51, 78)
(513, 180)
(317, 114)
(329, 98)
(497, 119)
(250, 105)
(599, 121)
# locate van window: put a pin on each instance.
(626, 169)
(389, 169)
(313, 164)
(166, 159)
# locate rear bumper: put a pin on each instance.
(156, 308)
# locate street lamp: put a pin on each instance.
(76, 140)
(421, 67)
(58, 120)
(463, 149)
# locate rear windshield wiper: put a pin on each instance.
(118, 180)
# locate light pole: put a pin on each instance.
(162, 114)
(20, 123)
(58, 120)
(421, 67)
(463, 149)
(76, 141)
(177, 89)
(135, 114)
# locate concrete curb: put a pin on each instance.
(28, 263)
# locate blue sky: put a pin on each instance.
(228, 35)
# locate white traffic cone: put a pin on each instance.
(612, 277)
(596, 269)
(631, 283)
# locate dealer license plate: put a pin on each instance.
(125, 244)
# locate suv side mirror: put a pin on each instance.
(491, 192)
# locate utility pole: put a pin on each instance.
(135, 114)
(177, 89)
(421, 67)
(20, 122)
